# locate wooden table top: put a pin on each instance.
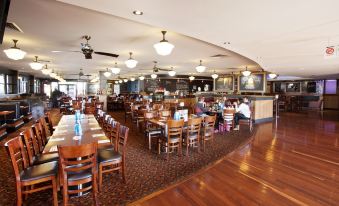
(64, 133)
(2, 113)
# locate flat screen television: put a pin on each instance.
(4, 7)
(311, 87)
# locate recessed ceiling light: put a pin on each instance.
(137, 12)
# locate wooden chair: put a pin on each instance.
(228, 119)
(78, 167)
(112, 160)
(44, 131)
(37, 134)
(32, 147)
(174, 137)
(128, 111)
(150, 130)
(113, 134)
(248, 121)
(89, 110)
(48, 120)
(192, 135)
(30, 179)
(165, 114)
(208, 129)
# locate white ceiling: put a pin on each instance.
(49, 25)
(286, 36)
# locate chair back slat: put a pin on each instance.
(38, 137)
(174, 129)
(193, 126)
(123, 136)
(31, 144)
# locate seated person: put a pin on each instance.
(200, 107)
(242, 111)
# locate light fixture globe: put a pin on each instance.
(172, 72)
(200, 68)
(14, 52)
(153, 76)
(46, 71)
(120, 81)
(132, 79)
(163, 48)
(52, 74)
(107, 73)
(125, 80)
(191, 78)
(141, 78)
(35, 64)
(215, 75)
(115, 69)
(246, 73)
(131, 63)
(272, 75)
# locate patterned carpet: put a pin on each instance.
(147, 171)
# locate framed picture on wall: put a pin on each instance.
(293, 87)
(256, 82)
(225, 83)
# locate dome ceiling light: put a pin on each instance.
(215, 75)
(53, 74)
(115, 69)
(191, 78)
(107, 73)
(172, 72)
(35, 64)
(141, 78)
(272, 75)
(246, 73)
(125, 80)
(137, 12)
(131, 63)
(163, 48)
(153, 76)
(200, 68)
(14, 52)
(132, 79)
(46, 71)
(120, 81)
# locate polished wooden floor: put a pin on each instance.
(291, 161)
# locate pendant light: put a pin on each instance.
(125, 80)
(46, 71)
(215, 75)
(246, 73)
(35, 64)
(107, 73)
(132, 79)
(14, 52)
(272, 75)
(141, 78)
(200, 68)
(163, 48)
(191, 78)
(120, 81)
(172, 72)
(115, 69)
(53, 74)
(131, 63)
(153, 76)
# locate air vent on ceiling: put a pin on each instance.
(13, 26)
(219, 56)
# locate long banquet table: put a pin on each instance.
(64, 133)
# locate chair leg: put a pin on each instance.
(19, 194)
(65, 193)
(100, 177)
(95, 189)
(187, 143)
(55, 191)
(149, 142)
(123, 170)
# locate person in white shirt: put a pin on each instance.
(243, 111)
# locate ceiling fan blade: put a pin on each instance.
(163, 69)
(106, 54)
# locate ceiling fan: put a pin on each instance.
(81, 74)
(157, 69)
(87, 49)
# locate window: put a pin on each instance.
(10, 85)
(37, 84)
(23, 84)
(2, 84)
(330, 86)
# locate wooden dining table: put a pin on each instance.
(64, 133)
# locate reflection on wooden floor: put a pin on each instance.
(293, 161)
